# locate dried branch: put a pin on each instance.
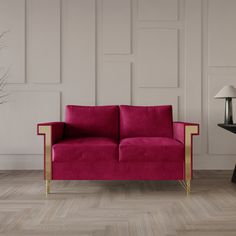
(3, 96)
(3, 33)
(3, 78)
(1, 37)
(3, 101)
(1, 47)
(3, 81)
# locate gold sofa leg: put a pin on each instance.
(188, 187)
(186, 184)
(48, 185)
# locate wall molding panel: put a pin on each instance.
(139, 52)
(116, 75)
(12, 52)
(193, 66)
(158, 10)
(164, 50)
(78, 41)
(219, 62)
(216, 115)
(43, 41)
(154, 96)
(116, 25)
(21, 114)
(221, 18)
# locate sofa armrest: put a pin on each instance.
(53, 132)
(180, 128)
(57, 130)
(183, 132)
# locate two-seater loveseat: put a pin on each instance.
(118, 143)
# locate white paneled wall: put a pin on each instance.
(12, 24)
(221, 16)
(78, 52)
(43, 41)
(102, 52)
(164, 48)
(158, 10)
(115, 75)
(116, 26)
(22, 113)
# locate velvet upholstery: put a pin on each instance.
(117, 143)
(179, 135)
(93, 149)
(57, 130)
(115, 170)
(151, 149)
(92, 121)
(146, 121)
(179, 130)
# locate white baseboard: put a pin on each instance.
(35, 162)
(216, 162)
(21, 162)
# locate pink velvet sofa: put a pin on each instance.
(118, 143)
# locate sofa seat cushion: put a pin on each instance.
(85, 149)
(151, 149)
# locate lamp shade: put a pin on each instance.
(227, 91)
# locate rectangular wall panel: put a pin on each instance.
(78, 50)
(193, 71)
(157, 57)
(116, 26)
(114, 87)
(222, 34)
(220, 140)
(158, 10)
(43, 41)
(155, 97)
(19, 118)
(12, 44)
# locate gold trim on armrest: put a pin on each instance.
(46, 131)
(189, 131)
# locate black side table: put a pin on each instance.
(231, 128)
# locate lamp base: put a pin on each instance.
(228, 111)
(233, 180)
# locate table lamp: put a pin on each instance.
(228, 92)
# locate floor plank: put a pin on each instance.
(117, 208)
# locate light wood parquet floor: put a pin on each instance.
(117, 208)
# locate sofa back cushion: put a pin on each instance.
(146, 121)
(92, 121)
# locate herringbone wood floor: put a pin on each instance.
(117, 208)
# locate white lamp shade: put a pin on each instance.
(227, 91)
